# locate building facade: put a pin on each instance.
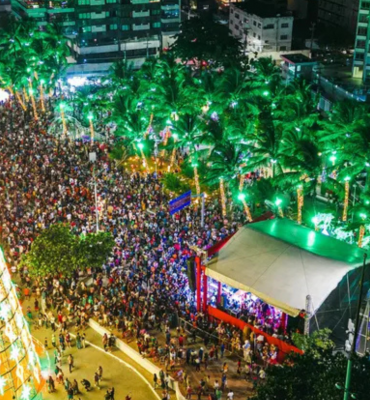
(361, 57)
(102, 31)
(261, 29)
(342, 13)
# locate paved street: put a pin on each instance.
(115, 372)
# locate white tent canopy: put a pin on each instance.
(282, 262)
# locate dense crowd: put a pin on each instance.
(144, 284)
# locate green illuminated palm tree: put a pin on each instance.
(267, 147)
(225, 161)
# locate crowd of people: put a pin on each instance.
(143, 287)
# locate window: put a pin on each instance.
(254, 23)
(113, 27)
(269, 26)
(366, 5)
(364, 18)
(170, 14)
(254, 34)
(125, 27)
(111, 1)
(231, 22)
(360, 44)
(156, 24)
(156, 12)
(259, 25)
(283, 37)
(232, 11)
(282, 48)
(362, 31)
(245, 20)
(259, 37)
(236, 16)
(285, 25)
(83, 2)
(84, 16)
(86, 29)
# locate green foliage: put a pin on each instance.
(26, 52)
(93, 249)
(57, 251)
(173, 183)
(202, 40)
(315, 343)
(313, 376)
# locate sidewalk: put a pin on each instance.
(115, 372)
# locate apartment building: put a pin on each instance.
(102, 31)
(361, 57)
(341, 13)
(261, 28)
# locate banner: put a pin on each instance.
(180, 202)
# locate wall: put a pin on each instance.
(135, 356)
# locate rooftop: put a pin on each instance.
(297, 58)
(262, 10)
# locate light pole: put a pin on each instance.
(347, 386)
(92, 158)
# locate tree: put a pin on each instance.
(315, 375)
(205, 42)
(93, 249)
(53, 251)
(57, 251)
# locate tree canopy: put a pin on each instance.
(206, 42)
(58, 251)
(317, 374)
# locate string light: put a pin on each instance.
(300, 200)
(241, 197)
(92, 133)
(223, 197)
(145, 163)
(2, 385)
(42, 95)
(196, 178)
(25, 364)
(173, 155)
(33, 103)
(361, 235)
(346, 197)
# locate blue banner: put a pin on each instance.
(180, 202)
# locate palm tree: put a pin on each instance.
(266, 147)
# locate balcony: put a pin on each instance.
(144, 1)
(141, 27)
(138, 14)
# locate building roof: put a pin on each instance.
(297, 58)
(260, 9)
(282, 262)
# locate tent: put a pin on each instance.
(282, 262)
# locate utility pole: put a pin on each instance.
(347, 386)
(92, 158)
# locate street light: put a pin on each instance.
(339, 387)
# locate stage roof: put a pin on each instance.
(282, 262)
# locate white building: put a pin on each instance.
(260, 28)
